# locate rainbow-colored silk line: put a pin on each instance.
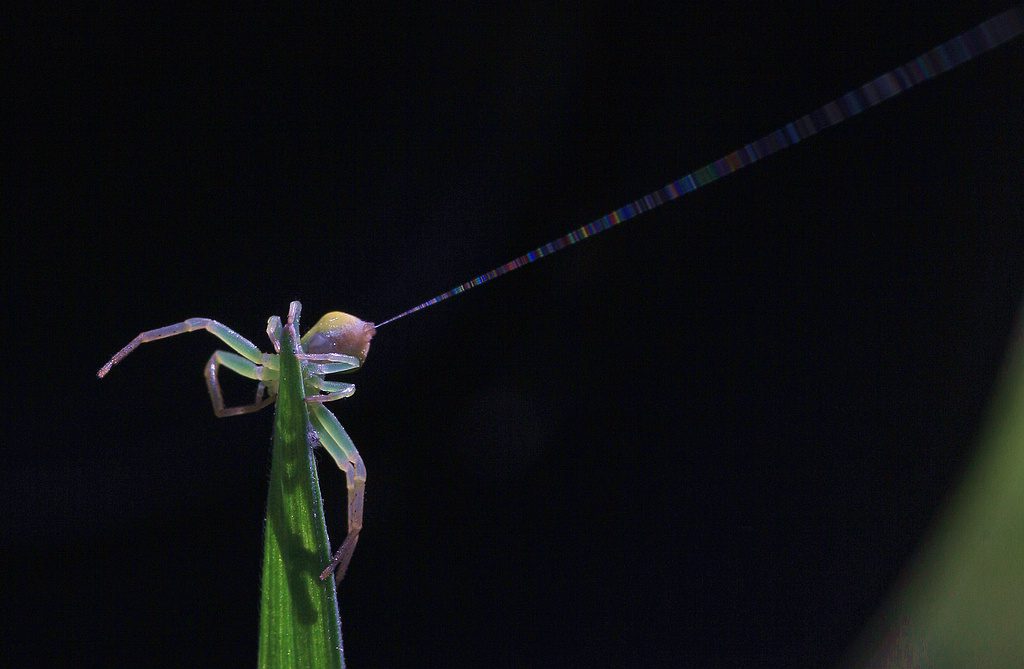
(948, 55)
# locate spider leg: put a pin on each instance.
(333, 390)
(274, 330)
(246, 368)
(325, 368)
(341, 448)
(329, 363)
(237, 342)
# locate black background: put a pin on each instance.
(711, 436)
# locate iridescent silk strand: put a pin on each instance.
(957, 51)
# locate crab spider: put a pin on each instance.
(338, 342)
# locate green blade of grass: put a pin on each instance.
(299, 621)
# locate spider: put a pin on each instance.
(338, 342)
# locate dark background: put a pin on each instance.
(709, 437)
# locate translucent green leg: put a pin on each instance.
(240, 365)
(334, 390)
(294, 309)
(341, 448)
(274, 331)
(237, 342)
(334, 362)
(333, 367)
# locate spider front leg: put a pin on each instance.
(252, 363)
(340, 446)
(237, 342)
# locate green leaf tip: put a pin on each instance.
(299, 621)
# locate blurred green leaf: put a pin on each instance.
(962, 600)
(299, 621)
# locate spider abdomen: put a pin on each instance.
(338, 332)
